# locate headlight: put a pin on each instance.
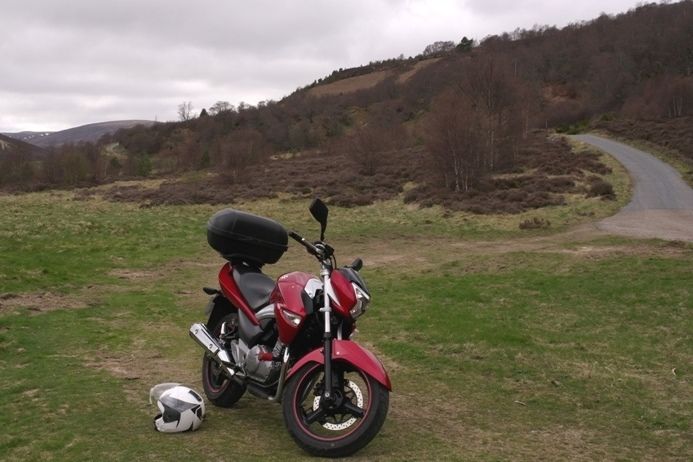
(362, 300)
(291, 318)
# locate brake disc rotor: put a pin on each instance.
(347, 423)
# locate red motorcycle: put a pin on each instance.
(289, 341)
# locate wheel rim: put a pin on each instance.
(216, 380)
(337, 424)
(355, 393)
(214, 375)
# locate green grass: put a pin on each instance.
(560, 351)
(584, 345)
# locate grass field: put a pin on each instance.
(501, 344)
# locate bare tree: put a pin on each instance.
(243, 106)
(221, 106)
(16, 167)
(455, 142)
(367, 145)
(679, 98)
(476, 127)
(185, 111)
(438, 47)
(493, 93)
(236, 151)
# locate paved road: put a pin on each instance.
(662, 204)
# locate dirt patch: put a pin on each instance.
(148, 359)
(350, 85)
(31, 393)
(373, 261)
(141, 369)
(133, 275)
(404, 76)
(40, 302)
(409, 253)
(125, 367)
(198, 264)
(561, 443)
(578, 242)
(674, 225)
(589, 251)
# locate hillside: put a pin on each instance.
(367, 77)
(10, 146)
(18, 161)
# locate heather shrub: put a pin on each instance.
(601, 188)
(534, 223)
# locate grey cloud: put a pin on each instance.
(259, 25)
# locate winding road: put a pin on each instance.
(662, 203)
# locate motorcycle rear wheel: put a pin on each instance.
(336, 433)
(219, 389)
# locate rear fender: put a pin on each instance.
(351, 353)
(217, 307)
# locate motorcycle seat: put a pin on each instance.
(255, 286)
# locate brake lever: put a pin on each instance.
(326, 250)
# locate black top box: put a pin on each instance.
(246, 237)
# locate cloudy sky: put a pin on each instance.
(65, 63)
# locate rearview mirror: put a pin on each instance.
(319, 211)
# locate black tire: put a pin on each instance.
(304, 387)
(219, 389)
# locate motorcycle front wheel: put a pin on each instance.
(344, 427)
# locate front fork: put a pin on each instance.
(327, 338)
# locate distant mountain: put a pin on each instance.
(90, 133)
(10, 146)
(27, 136)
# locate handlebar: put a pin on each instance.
(320, 250)
(310, 247)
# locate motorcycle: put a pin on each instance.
(289, 341)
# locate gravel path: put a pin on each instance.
(662, 204)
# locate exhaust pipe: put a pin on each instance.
(201, 335)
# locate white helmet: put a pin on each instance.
(180, 409)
